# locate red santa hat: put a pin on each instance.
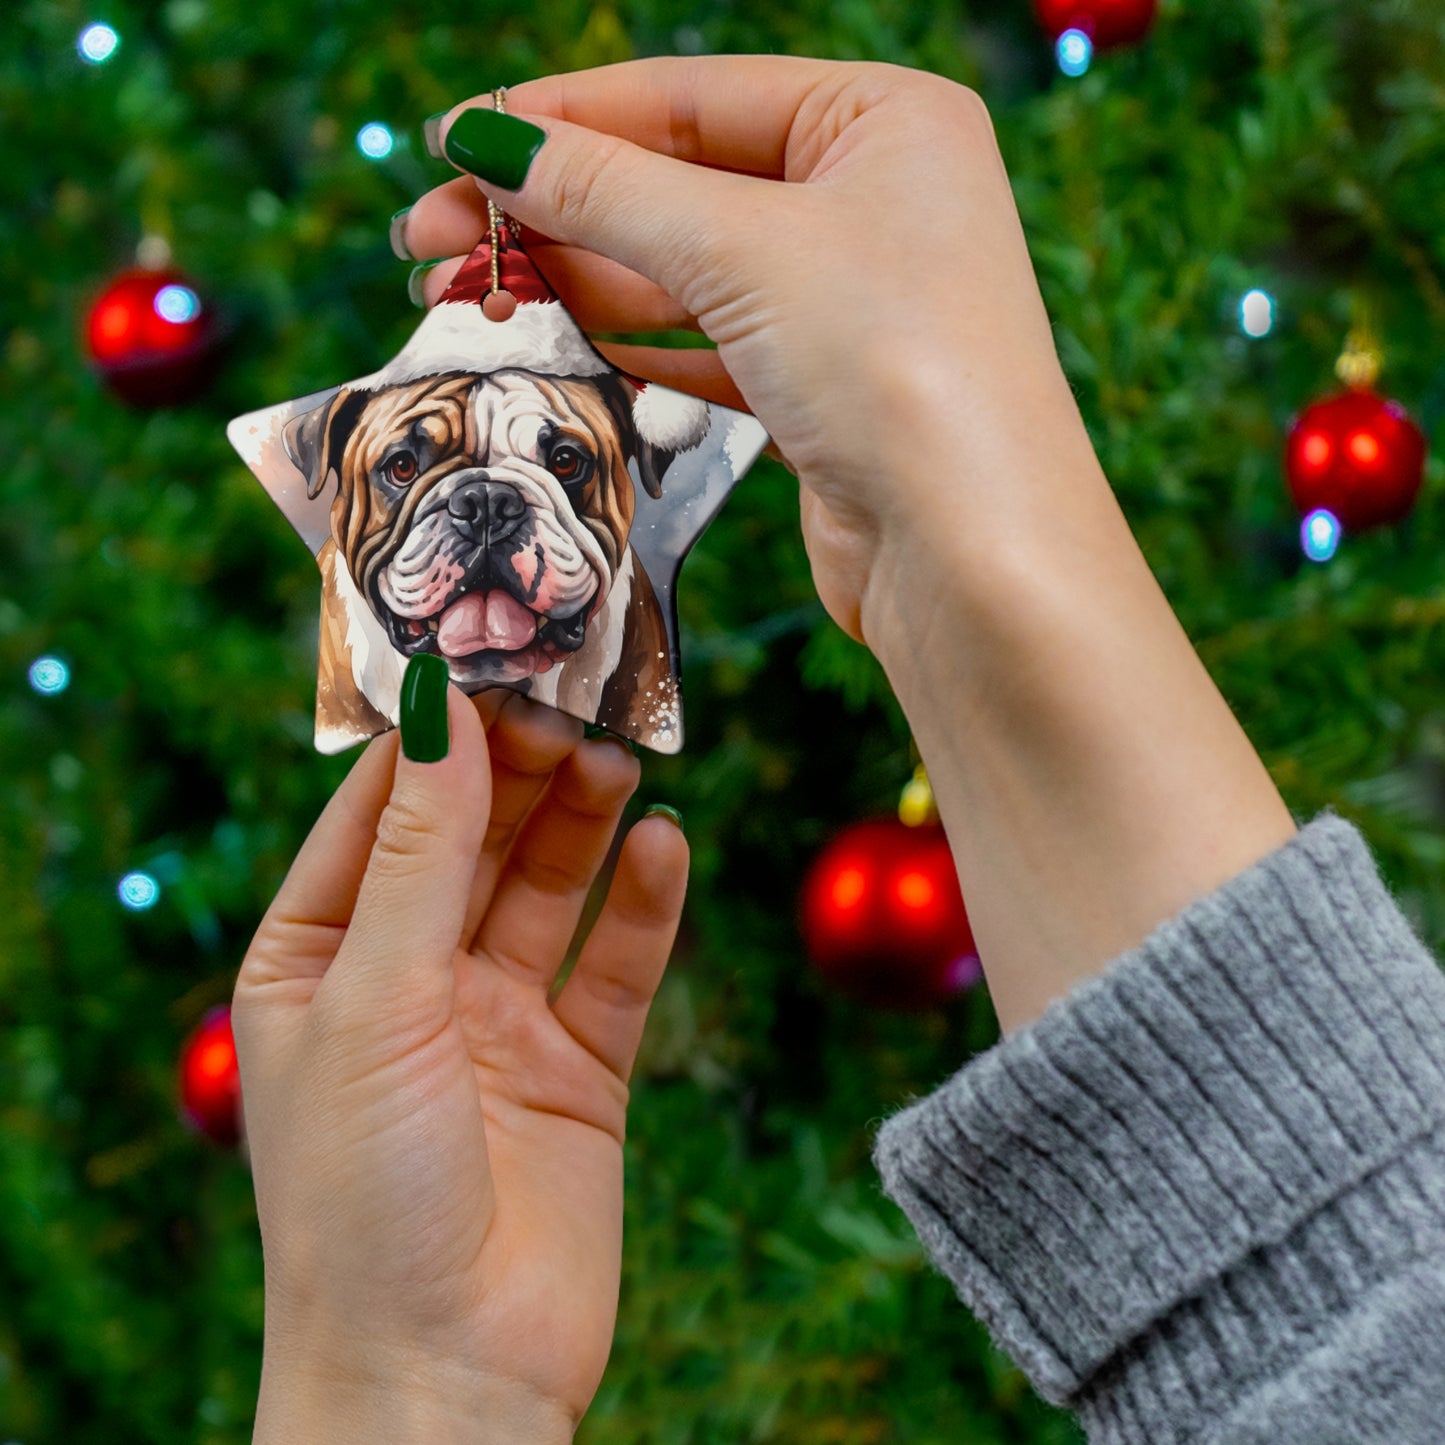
(540, 336)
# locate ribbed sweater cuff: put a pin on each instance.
(1187, 1122)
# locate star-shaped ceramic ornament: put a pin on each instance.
(501, 495)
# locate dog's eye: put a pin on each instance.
(401, 469)
(570, 465)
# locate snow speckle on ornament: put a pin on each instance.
(664, 713)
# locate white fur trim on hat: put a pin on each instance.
(669, 420)
(456, 336)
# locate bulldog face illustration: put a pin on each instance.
(482, 517)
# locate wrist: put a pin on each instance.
(982, 521)
(403, 1401)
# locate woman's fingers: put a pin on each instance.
(697, 370)
(299, 935)
(395, 965)
(604, 1002)
(675, 223)
(600, 294)
(557, 853)
(737, 112)
(527, 741)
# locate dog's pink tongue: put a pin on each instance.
(485, 620)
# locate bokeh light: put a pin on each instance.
(375, 141)
(49, 675)
(138, 891)
(1075, 52)
(1256, 313)
(177, 304)
(1320, 535)
(97, 43)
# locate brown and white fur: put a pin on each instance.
(486, 518)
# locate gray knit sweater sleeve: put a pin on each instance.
(1203, 1198)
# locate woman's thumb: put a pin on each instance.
(412, 903)
(663, 218)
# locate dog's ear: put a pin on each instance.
(314, 440)
(652, 465)
(652, 461)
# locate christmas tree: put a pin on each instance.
(158, 622)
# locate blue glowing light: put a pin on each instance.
(138, 891)
(177, 304)
(1075, 52)
(1320, 535)
(1256, 313)
(375, 141)
(97, 44)
(49, 675)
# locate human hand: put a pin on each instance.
(879, 313)
(437, 1148)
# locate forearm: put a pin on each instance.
(1092, 779)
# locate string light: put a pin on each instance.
(1256, 313)
(49, 675)
(375, 141)
(1075, 52)
(1320, 535)
(138, 891)
(97, 44)
(177, 304)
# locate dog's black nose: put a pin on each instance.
(486, 511)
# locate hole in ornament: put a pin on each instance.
(498, 305)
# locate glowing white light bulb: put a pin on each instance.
(177, 304)
(49, 675)
(1256, 313)
(1320, 535)
(138, 891)
(375, 141)
(97, 43)
(1075, 52)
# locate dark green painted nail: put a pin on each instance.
(431, 133)
(413, 282)
(424, 734)
(498, 148)
(397, 234)
(596, 730)
(661, 810)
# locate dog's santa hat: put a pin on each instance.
(540, 336)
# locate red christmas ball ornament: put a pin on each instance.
(210, 1081)
(152, 338)
(883, 917)
(1357, 455)
(1107, 23)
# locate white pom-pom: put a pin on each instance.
(669, 420)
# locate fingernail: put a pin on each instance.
(431, 133)
(498, 148)
(424, 735)
(414, 282)
(596, 730)
(661, 810)
(397, 234)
